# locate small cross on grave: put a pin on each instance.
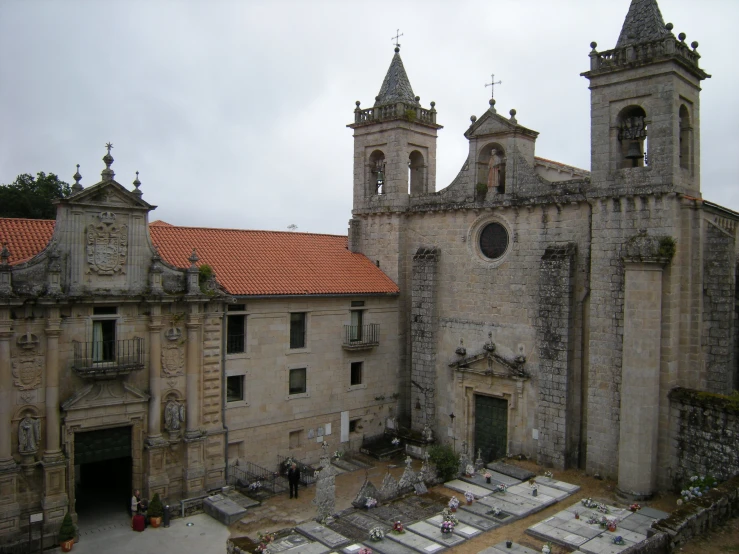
(408, 462)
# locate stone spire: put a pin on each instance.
(396, 87)
(107, 173)
(643, 23)
(77, 178)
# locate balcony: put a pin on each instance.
(361, 337)
(102, 360)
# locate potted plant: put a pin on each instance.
(398, 528)
(488, 477)
(155, 511)
(508, 544)
(453, 504)
(469, 497)
(447, 527)
(66, 533)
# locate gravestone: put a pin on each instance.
(408, 479)
(433, 532)
(386, 546)
(389, 488)
(416, 542)
(479, 463)
(513, 471)
(322, 534)
(368, 490)
(325, 500)
(223, 509)
(468, 518)
(420, 487)
(289, 542)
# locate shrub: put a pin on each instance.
(155, 507)
(67, 531)
(445, 460)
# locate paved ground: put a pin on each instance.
(204, 536)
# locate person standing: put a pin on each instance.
(135, 505)
(293, 478)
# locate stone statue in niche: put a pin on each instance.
(174, 416)
(29, 431)
(494, 169)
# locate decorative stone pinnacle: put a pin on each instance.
(593, 45)
(193, 259)
(492, 105)
(137, 184)
(682, 37)
(669, 26)
(513, 116)
(77, 178)
(107, 173)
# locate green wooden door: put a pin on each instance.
(105, 444)
(491, 427)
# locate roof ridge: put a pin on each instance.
(396, 87)
(27, 219)
(171, 226)
(643, 23)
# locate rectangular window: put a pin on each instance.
(297, 329)
(356, 325)
(356, 373)
(237, 307)
(103, 340)
(234, 388)
(357, 303)
(236, 334)
(298, 384)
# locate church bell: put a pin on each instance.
(634, 152)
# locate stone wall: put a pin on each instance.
(718, 315)
(554, 341)
(423, 326)
(706, 434)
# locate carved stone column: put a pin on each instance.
(194, 360)
(155, 369)
(9, 507)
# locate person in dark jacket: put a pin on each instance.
(293, 478)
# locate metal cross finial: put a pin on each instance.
(398, 34)
(109, 146)
(492, 84)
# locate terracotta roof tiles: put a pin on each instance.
(25, 237)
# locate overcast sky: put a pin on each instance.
(235, 112)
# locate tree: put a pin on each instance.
(32, 197)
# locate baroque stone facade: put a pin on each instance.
(598, 290)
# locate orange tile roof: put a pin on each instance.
(25, 237)
(246, 262)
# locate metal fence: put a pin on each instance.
(246, 474)
(307, 472)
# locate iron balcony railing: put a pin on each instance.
(361, 336)
(108, 359)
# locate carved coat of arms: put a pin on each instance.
(27, 372)
(107, 246)
(173, 360)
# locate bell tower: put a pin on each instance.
(645, 108)
(394, 145)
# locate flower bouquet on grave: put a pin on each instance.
(619, 540)
(549, 475)
(338, 454)
(446, 515)
(469, 470)
(495, 512)
(264, 541)
(500, 488)
(447, 527)
(255, 486)
(398, 528)
(469, 497)
(547, 548)
(396, 441)
(635, 507)
(453, 504)
(376, 534)
(534, 488)
(612, 524)
(699, 485)
(487, 476)
(365, 550)
(370, 503)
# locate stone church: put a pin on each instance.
(529, 307)
(545, 309)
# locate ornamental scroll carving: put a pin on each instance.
(27, 372)
(173, 360)
(107, 245)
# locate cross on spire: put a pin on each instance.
(492, 84)
(398, 34)
(109, 146)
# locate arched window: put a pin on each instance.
(416, 173)
(686, 139)
(491, 167)
(632, 136)
(376, 173)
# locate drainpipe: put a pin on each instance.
(223, 388)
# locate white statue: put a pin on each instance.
(174, 416)
(29, 431)
(428, 434)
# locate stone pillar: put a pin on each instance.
(194, 359)
(6, 391)
(155, 370)
(55, 499)
(640, 373)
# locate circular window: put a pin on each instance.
(494, 241)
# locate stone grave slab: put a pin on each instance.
(541, 497)
(503, 478)
(241, 499)
(284, 544)
(433, 532)
(468, 519)
(355, 525)
(603, 544)
(386, 546)
(552, 529)
(513, 471)
(416, 542)
(223, 509)
(409, 509)
(524, 489)
(651, 512)
(463, 529)
(525, 504)
(426, 506)
(479, 480)
(555, 484)
(461, 486)
(483, 510)
(324, 535)
(637, 523)
(344, 465)
(515, 548)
